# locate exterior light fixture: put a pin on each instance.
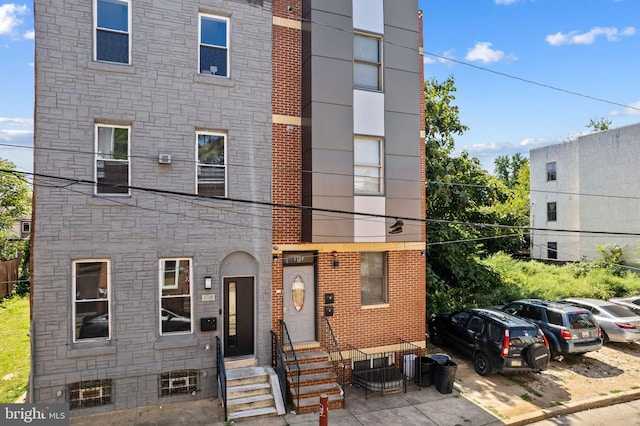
(207, 282)
(336, 262)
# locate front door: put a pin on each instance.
(299, 304)
(238, 316)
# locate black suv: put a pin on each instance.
(494, 340)
(568, 329)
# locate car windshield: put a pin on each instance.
(524, 335)
(618, 311)
(579, 320)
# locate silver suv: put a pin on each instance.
(569, 329)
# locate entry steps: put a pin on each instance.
(252, 392)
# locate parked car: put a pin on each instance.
(568, 329)
(618, 323)
(495, 340)
(632, 303)
(98, 325)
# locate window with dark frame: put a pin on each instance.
(552, 250)
(552, 213)
(373, 278)
(551, 171)
(214, 45)
(367, 67)
(112, 34)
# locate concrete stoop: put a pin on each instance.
(316, 378)
(250, 393)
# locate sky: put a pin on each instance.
(528, 73)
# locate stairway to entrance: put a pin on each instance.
(250, 393)
(317, 377)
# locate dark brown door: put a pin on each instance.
(238, 316)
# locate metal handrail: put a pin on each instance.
(221, 375)
(330, 342)
(279, 364)
(292, 361)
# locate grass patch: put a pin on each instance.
(526, 397)
(635, 387)
(615, 391)
(14, 353)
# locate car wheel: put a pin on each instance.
(434, 336)
(605, 337)
(481, 364)
(538, 356)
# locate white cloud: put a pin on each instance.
(573, 37)
(29, 35)
(20, 121)
(483, 52)
(10, 17)
(632, 109)
(11, 134)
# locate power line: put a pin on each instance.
(525, 80)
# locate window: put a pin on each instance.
(178, 382)
(214, 45)
(112, 35)
(91, 282)
(212, 170)
(367, 56)
(112, 159)
(175, 300)
(26, 227)
(552, 250)
(90, 393)
(551, 171)
(373, 278)
(367, 168)
(551, 212)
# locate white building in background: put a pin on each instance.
(585, 194)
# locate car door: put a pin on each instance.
(472, 335)
(458, 329)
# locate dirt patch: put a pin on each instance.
(613, 369)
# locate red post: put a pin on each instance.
(324, 410)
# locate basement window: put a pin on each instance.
(91, 393)
(178, 382)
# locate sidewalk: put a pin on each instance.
(418, 406)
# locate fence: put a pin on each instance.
(9, 273)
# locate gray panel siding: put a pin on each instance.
(165, 101)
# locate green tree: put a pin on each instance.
(15, 203)
(458, 191)
(507, 168)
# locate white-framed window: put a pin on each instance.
(90, 393)
(26, 227)
(211, 164)
(367, 57)
(213, 55)
(552, 250)
(368, 172)
(178, 382)
(112, 31)
(112, 159)
(91, 282)
(551, 171)
(373, 278)
(175, 296)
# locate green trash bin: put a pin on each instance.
(444, 375)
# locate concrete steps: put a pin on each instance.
(250, 393)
